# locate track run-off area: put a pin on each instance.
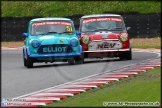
(19, 81)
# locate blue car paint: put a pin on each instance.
(24, 52)
(80, 49)
(28, 51)
(54, 55)
(50, 39)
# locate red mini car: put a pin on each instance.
(105, 35)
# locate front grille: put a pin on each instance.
(56, 48)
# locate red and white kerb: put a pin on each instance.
(101, 19)
(50, 23)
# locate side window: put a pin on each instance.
(123, 23)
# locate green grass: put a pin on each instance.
(143, 87)
(68, 8)
(157, 47)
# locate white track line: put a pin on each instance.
(67, 90)
(53, 94)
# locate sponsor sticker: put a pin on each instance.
(50, 23)
(101, 19)
(105, 45)
(54, 49)
(61, 40)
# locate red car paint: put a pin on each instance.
(99, 37)
(110, 36)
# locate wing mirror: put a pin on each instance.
(78, 33)
(128, 28)
(25, 34)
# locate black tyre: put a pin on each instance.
(80, 59)
(129, 55)
(24, 59)
(71, 61)
(29, 62)
(122, 57)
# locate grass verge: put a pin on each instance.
(68, 8)
(156, 47)
(143, 87)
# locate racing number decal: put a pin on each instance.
(69, 28)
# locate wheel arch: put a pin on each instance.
(26, 51)
(80, 49)
(130, 44)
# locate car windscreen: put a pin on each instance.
(97, 24)
(48, 27)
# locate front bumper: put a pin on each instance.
(116, 50)
(54, 55)
(105, 53)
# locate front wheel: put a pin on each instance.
(71, 61)
(122, 57)
(126, 55)
(29, 62)
(80, 59)
(129, 55)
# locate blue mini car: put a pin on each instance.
(51, 40)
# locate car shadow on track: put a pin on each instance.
(66, 64)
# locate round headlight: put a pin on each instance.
(85, 39)
(124, 37)
(73, 42)
(35, 43)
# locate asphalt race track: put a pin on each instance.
(17, 80)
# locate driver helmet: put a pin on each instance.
(39, 29)
(90, 26)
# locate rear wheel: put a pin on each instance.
(29, 62)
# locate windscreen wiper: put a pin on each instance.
(105, 29)
(88, 31)
(51, 32)
(65, 32)
(96, 30)
(116, 28)
(47, 33)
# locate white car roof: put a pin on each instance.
(99, 15)
(51, 18)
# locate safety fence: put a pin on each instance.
(142, 25)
